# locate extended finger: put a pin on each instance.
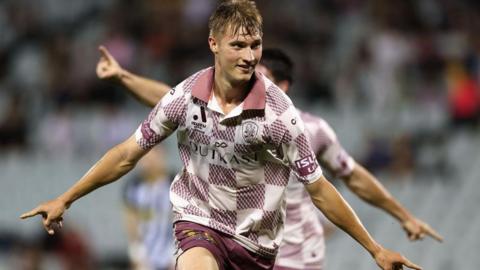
(411, 265)
(105, 53)
(431, 232)
(31, 213)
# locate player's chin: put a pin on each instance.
(243, 76)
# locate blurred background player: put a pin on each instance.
(303, 243)
(148, 214)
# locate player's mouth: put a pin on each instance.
(245, 68)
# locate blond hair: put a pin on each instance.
(236, 14)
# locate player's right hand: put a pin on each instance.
(417, 230)
(51, 213)
(107, 66)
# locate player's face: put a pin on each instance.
(236, 54)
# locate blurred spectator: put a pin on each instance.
(402, 163)
(13, 125)
(57, 132)
(464, 97)
(396, 156)
(27, 256)
(71, 248)
(148, 214)
(377, 156)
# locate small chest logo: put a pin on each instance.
(249, 131)
(200, 124)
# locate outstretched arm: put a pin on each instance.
(369, 189)
(115, 163)
(326, 198)
(145, 90)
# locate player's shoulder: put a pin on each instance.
(186, 85)
(317, 125)
(275, 99)
(308, 117)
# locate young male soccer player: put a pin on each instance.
(302, 246)
(239, 138)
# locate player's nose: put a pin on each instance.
(248, 56)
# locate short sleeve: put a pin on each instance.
(163, 120)
(296, 147)
(332, 155)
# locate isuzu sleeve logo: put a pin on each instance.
(306, 165)
(147, 132)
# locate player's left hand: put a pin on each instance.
(390, 260)
(417, 230)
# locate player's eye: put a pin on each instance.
(256, 44)
(237, 45)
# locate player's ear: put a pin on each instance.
(212, 42)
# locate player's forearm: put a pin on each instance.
(369, 189)
(145, 90)
(113, 165)
(336, 209)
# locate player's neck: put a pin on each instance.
(228, 94)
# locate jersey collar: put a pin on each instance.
(255, 99)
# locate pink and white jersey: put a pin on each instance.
(236, 166)
(303, 245)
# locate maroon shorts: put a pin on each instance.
(228, 253)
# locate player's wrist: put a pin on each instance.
(375, 250)
(64, 201)
(406, 218)
(122, 75)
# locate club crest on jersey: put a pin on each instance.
(249, 131)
